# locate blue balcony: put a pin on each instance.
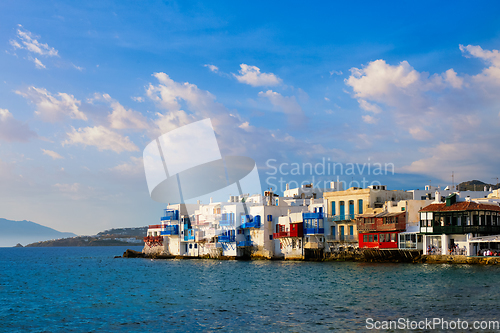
(314, 231)
(250, 224)
(227, 219)
(312, 215)
(170, 215)
(245, 243)
(189, 235)
(170, 230)
(227, 239)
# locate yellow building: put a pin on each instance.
(342, 207)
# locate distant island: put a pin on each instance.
(111, 237)
(25, 232)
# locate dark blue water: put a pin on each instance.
(85, 289)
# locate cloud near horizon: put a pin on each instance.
(447, 108)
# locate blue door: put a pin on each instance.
(351, 209)
(342, 210)
(341, 233)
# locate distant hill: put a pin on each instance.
(111, 237)
(476, 185)
(25, 232)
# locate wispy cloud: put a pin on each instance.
(100, 137)
(53, 108)
(29, 41)
(52, 154)
(212, 68)
(121, 118)
(12, 129)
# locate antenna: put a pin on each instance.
(453, 180)
(496, 179)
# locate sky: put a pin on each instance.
(85, 87)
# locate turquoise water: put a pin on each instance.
(86, 289)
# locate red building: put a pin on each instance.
(380, 231)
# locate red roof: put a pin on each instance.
(460, 206)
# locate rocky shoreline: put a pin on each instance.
(374, 256)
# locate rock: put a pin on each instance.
(18, 245)
(133, 254)
(117, 257)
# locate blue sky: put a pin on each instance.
(85, 87)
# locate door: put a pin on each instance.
(341, 233)
(342, 210)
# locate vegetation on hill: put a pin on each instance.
(111, 237)
(476, 185)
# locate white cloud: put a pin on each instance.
(37, 62)
(251, 75)
(336, 73)
(12, 129)
(418, 133)
(68, 188)
(138, 99)
(28, 41)
(489, 78)
(134, 167)
(100, 137)
(53, 108)
(122, 118)
(212, 68)
(451, 77)
(327, 99)
(369, 119)
(78, 67)
(52, 154)
(458, 111)
(285, 104)
(461, 158)
(369, 107)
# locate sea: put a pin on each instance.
(86, 289)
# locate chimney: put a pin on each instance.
(438, 197)
(287, 186)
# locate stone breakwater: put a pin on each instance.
(360, 255)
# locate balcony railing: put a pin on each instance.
(248, 225)
(482, 229)
(226, 238)
(170, 230)
(345, 217)
(340, 238)
(312, 215)
(314, 231)
(155, 226)
(188, 238)
(284, 234)
(245, 243)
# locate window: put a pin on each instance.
(360, 206)
(190, 246)
(332, 211)
(195, 246)
(382, 238)
(375, 238)
(393, 237)
(270, 237)
(370, 238)
(365, 238)
(351, 230)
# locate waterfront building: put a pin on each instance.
(242, 226)
(342, 208)
(457, 227)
